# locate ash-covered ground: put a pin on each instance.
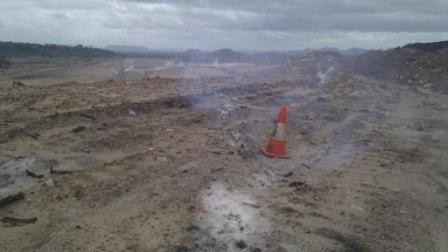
(168, 159)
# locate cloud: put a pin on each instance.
(210, 24)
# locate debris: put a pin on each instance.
(33, 175)
(102, 127)
(196, 120)
(191, 208)
(132, 112)
(306, 166)
(50, 183)
(182, 249)
(4, 180)
(160, 158)
(244, 152)
(16, 172)
(255, 249)
(241, 244)
(91, 117)
(18, 84)
(351, 243)
(251, 205)
(192, 228)
(356, 208)
(300, 186)
(289, 174)
(12, 221)
(216, 170)
(177, 102)
(59, 172)
(33, 135)
(11, 199)
(78, 129)
(78, 194)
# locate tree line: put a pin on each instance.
(16, 49)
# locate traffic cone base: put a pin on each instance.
(275, 148)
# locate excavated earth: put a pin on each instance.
(168, 164)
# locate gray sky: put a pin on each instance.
(237, 24)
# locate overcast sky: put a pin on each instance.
(237, 24)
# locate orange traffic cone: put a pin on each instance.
(276, 145)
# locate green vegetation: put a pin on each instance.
(14, 49)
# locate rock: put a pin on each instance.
(18, 166)
(49, 183)
(11, 199)
(78, 194)
(192, 228)
(78, 129)
(33, 175)
(300, 186)
(162, 159)
(13, 222)
(182, 249)
(356, 208)
(91, 117)
(18, 84)
(132, 112)
(241, 244)
(4, 180)
(289, 174)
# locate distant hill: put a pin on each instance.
(227, 55)
(351, 52)
(141, 51)
(15, 49)
(195, 56)
(127, 49)
(428, 47)
(420, 64)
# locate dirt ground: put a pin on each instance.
(174, 164)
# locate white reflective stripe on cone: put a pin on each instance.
(280, 131)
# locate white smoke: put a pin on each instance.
(323, 75)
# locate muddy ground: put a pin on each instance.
(173, 164)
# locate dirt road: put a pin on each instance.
(174, 165)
